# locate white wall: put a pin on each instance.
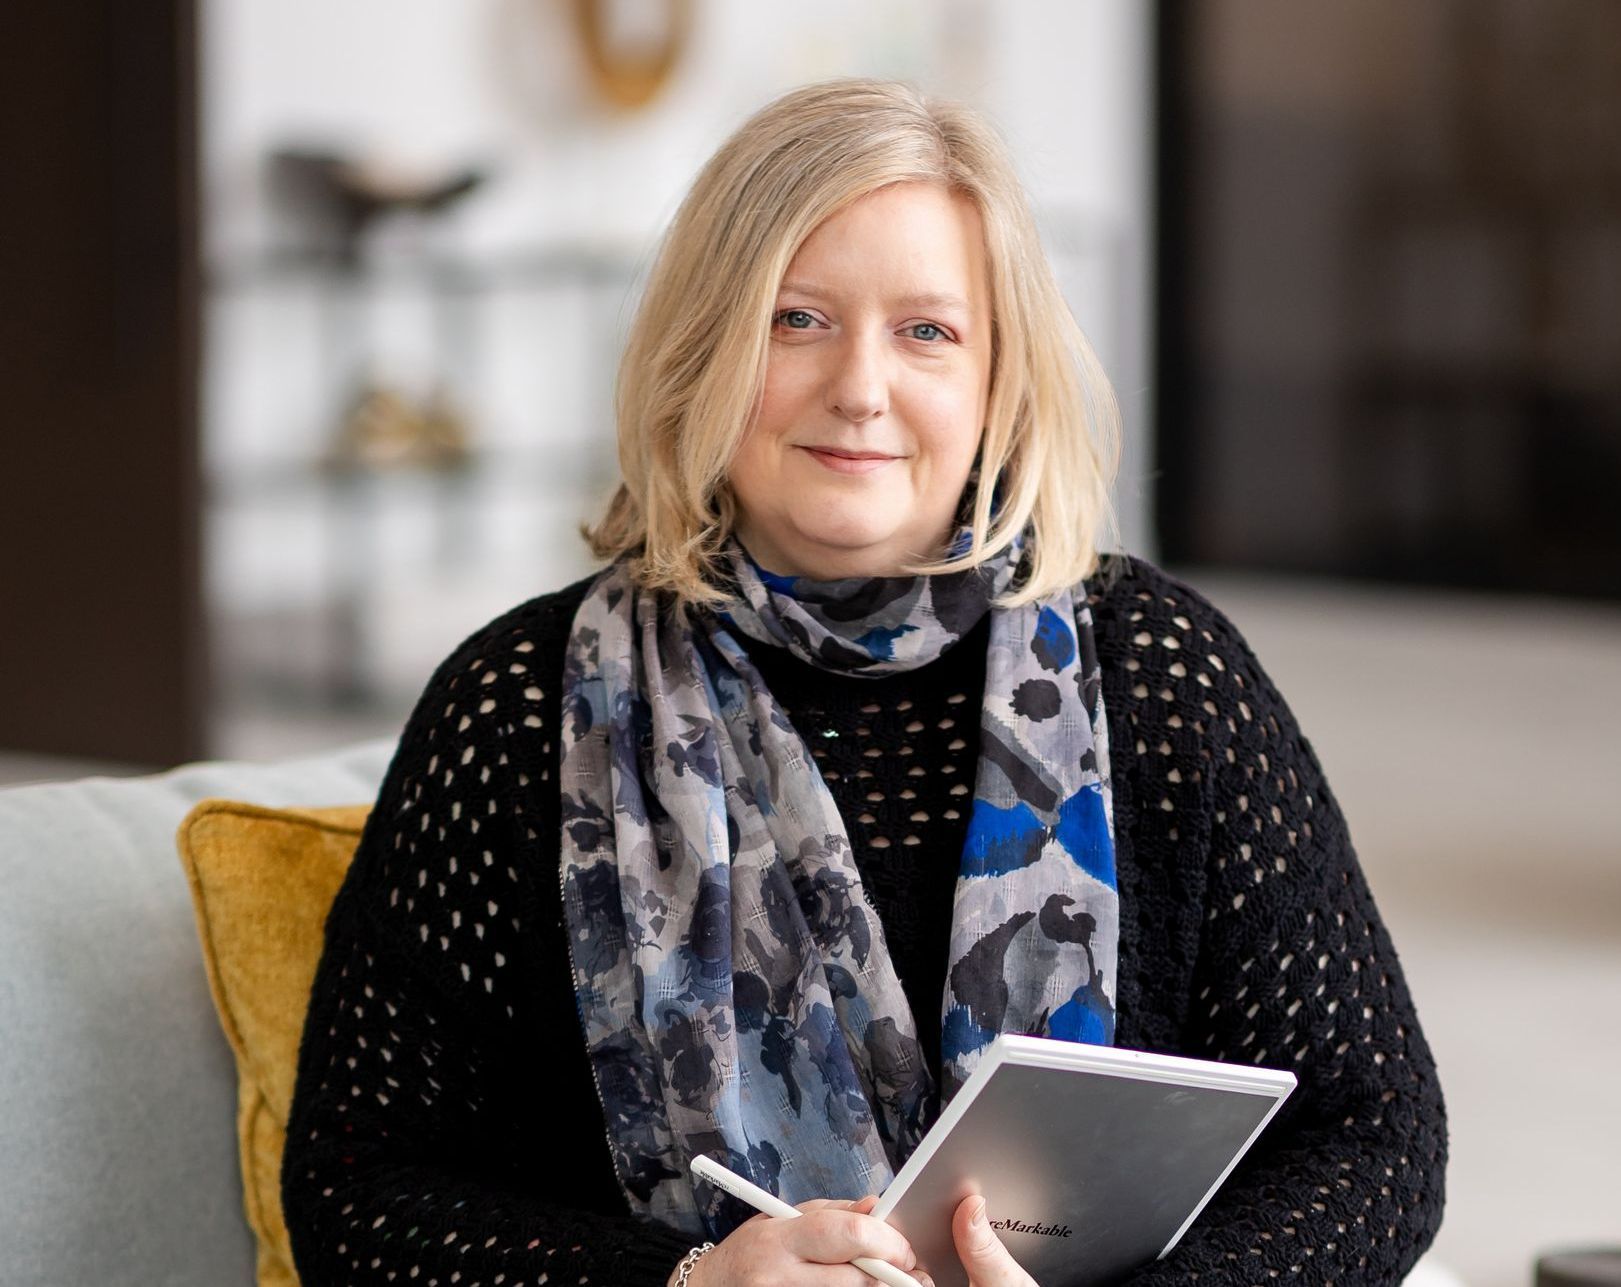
(500, 80)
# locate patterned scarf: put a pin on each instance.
(736, 993)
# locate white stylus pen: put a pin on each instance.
(772, 1205)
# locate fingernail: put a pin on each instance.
(978, 1220)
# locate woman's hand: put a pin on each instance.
(988, 1262)
(812, 1251)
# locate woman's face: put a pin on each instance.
(877, 379)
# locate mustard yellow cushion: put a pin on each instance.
(262, 881)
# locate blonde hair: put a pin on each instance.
(695, 359)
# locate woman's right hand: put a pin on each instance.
(812, 1251)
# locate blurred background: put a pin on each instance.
(309, 317)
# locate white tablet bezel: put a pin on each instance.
(1044, 1052)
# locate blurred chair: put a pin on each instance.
(1591, 1267)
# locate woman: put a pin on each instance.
(846, 762)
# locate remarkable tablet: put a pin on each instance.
(1092, 1160)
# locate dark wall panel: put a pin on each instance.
(1390, 255)
(101, 642)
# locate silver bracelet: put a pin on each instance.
(688, 1261)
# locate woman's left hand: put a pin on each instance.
(988, 1262)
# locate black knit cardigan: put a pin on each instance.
(446, 1129)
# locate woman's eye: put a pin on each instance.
(782, 319)
(927, 326)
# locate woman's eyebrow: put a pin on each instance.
(920, 299)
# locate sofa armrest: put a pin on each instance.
(118, 1121)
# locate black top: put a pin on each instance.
(446, 1128)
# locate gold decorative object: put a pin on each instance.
(630, 73)
(384, 429)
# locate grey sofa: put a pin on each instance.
(118, 1161)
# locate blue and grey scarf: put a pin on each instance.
(736, 992)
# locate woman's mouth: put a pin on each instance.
(844, 463)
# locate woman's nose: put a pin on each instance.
(858, 386)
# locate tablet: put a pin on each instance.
(1092, 1160)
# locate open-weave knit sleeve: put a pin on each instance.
(423, 1114)
(1294, 970)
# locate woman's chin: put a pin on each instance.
(829, 554)
(843, 535)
